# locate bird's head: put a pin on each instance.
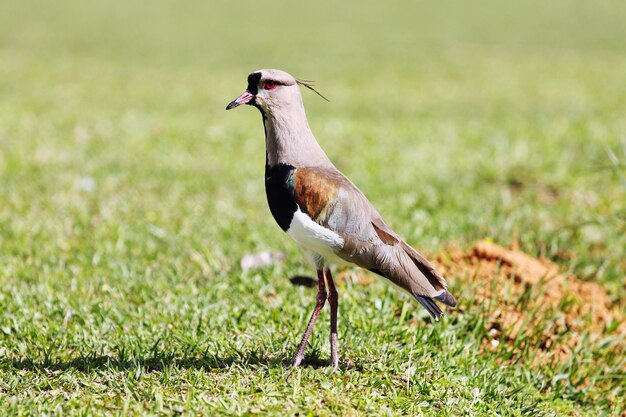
(271, 90)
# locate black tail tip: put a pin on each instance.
(430, 306)
(446, 298)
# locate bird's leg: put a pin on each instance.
(333, 300)
(321, 299)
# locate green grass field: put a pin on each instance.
(128, 197)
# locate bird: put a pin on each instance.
(324, 212)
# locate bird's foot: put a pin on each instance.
(297, 360)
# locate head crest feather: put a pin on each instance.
(309, 84)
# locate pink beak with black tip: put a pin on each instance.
(245, 98)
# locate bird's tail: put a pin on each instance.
(435, 279)
(432, 307)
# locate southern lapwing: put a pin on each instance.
(323, 211)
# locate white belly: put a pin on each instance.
(315, 238)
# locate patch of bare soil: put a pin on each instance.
(529, 303)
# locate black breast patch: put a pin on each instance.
(279, 190)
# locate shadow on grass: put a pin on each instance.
(160, 361)
(150, 364)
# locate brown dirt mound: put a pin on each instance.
(529, 298)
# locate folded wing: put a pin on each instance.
(332, 201)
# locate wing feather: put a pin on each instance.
(334, 202)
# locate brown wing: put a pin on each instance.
(332, 201)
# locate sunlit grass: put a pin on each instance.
(128, 196)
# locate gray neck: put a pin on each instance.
(289, 140)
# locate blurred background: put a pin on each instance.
(128, 195)
(494, 120)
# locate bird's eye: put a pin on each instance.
(270, 85)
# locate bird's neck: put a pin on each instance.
(289, 140)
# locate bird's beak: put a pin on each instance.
(245, 98)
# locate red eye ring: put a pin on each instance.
(270, 85)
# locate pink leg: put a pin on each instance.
(321, 299)
(333, 300)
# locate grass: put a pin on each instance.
(128, 197)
